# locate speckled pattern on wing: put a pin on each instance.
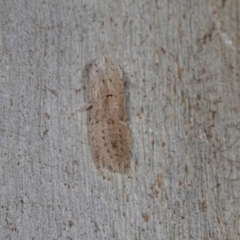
(110, 135)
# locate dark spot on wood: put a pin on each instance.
(70, 224)
(145, 217)
(47, 115)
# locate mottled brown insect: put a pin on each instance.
(109, 133)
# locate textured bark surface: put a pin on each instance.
(180, 60)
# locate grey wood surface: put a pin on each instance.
(181, 64)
